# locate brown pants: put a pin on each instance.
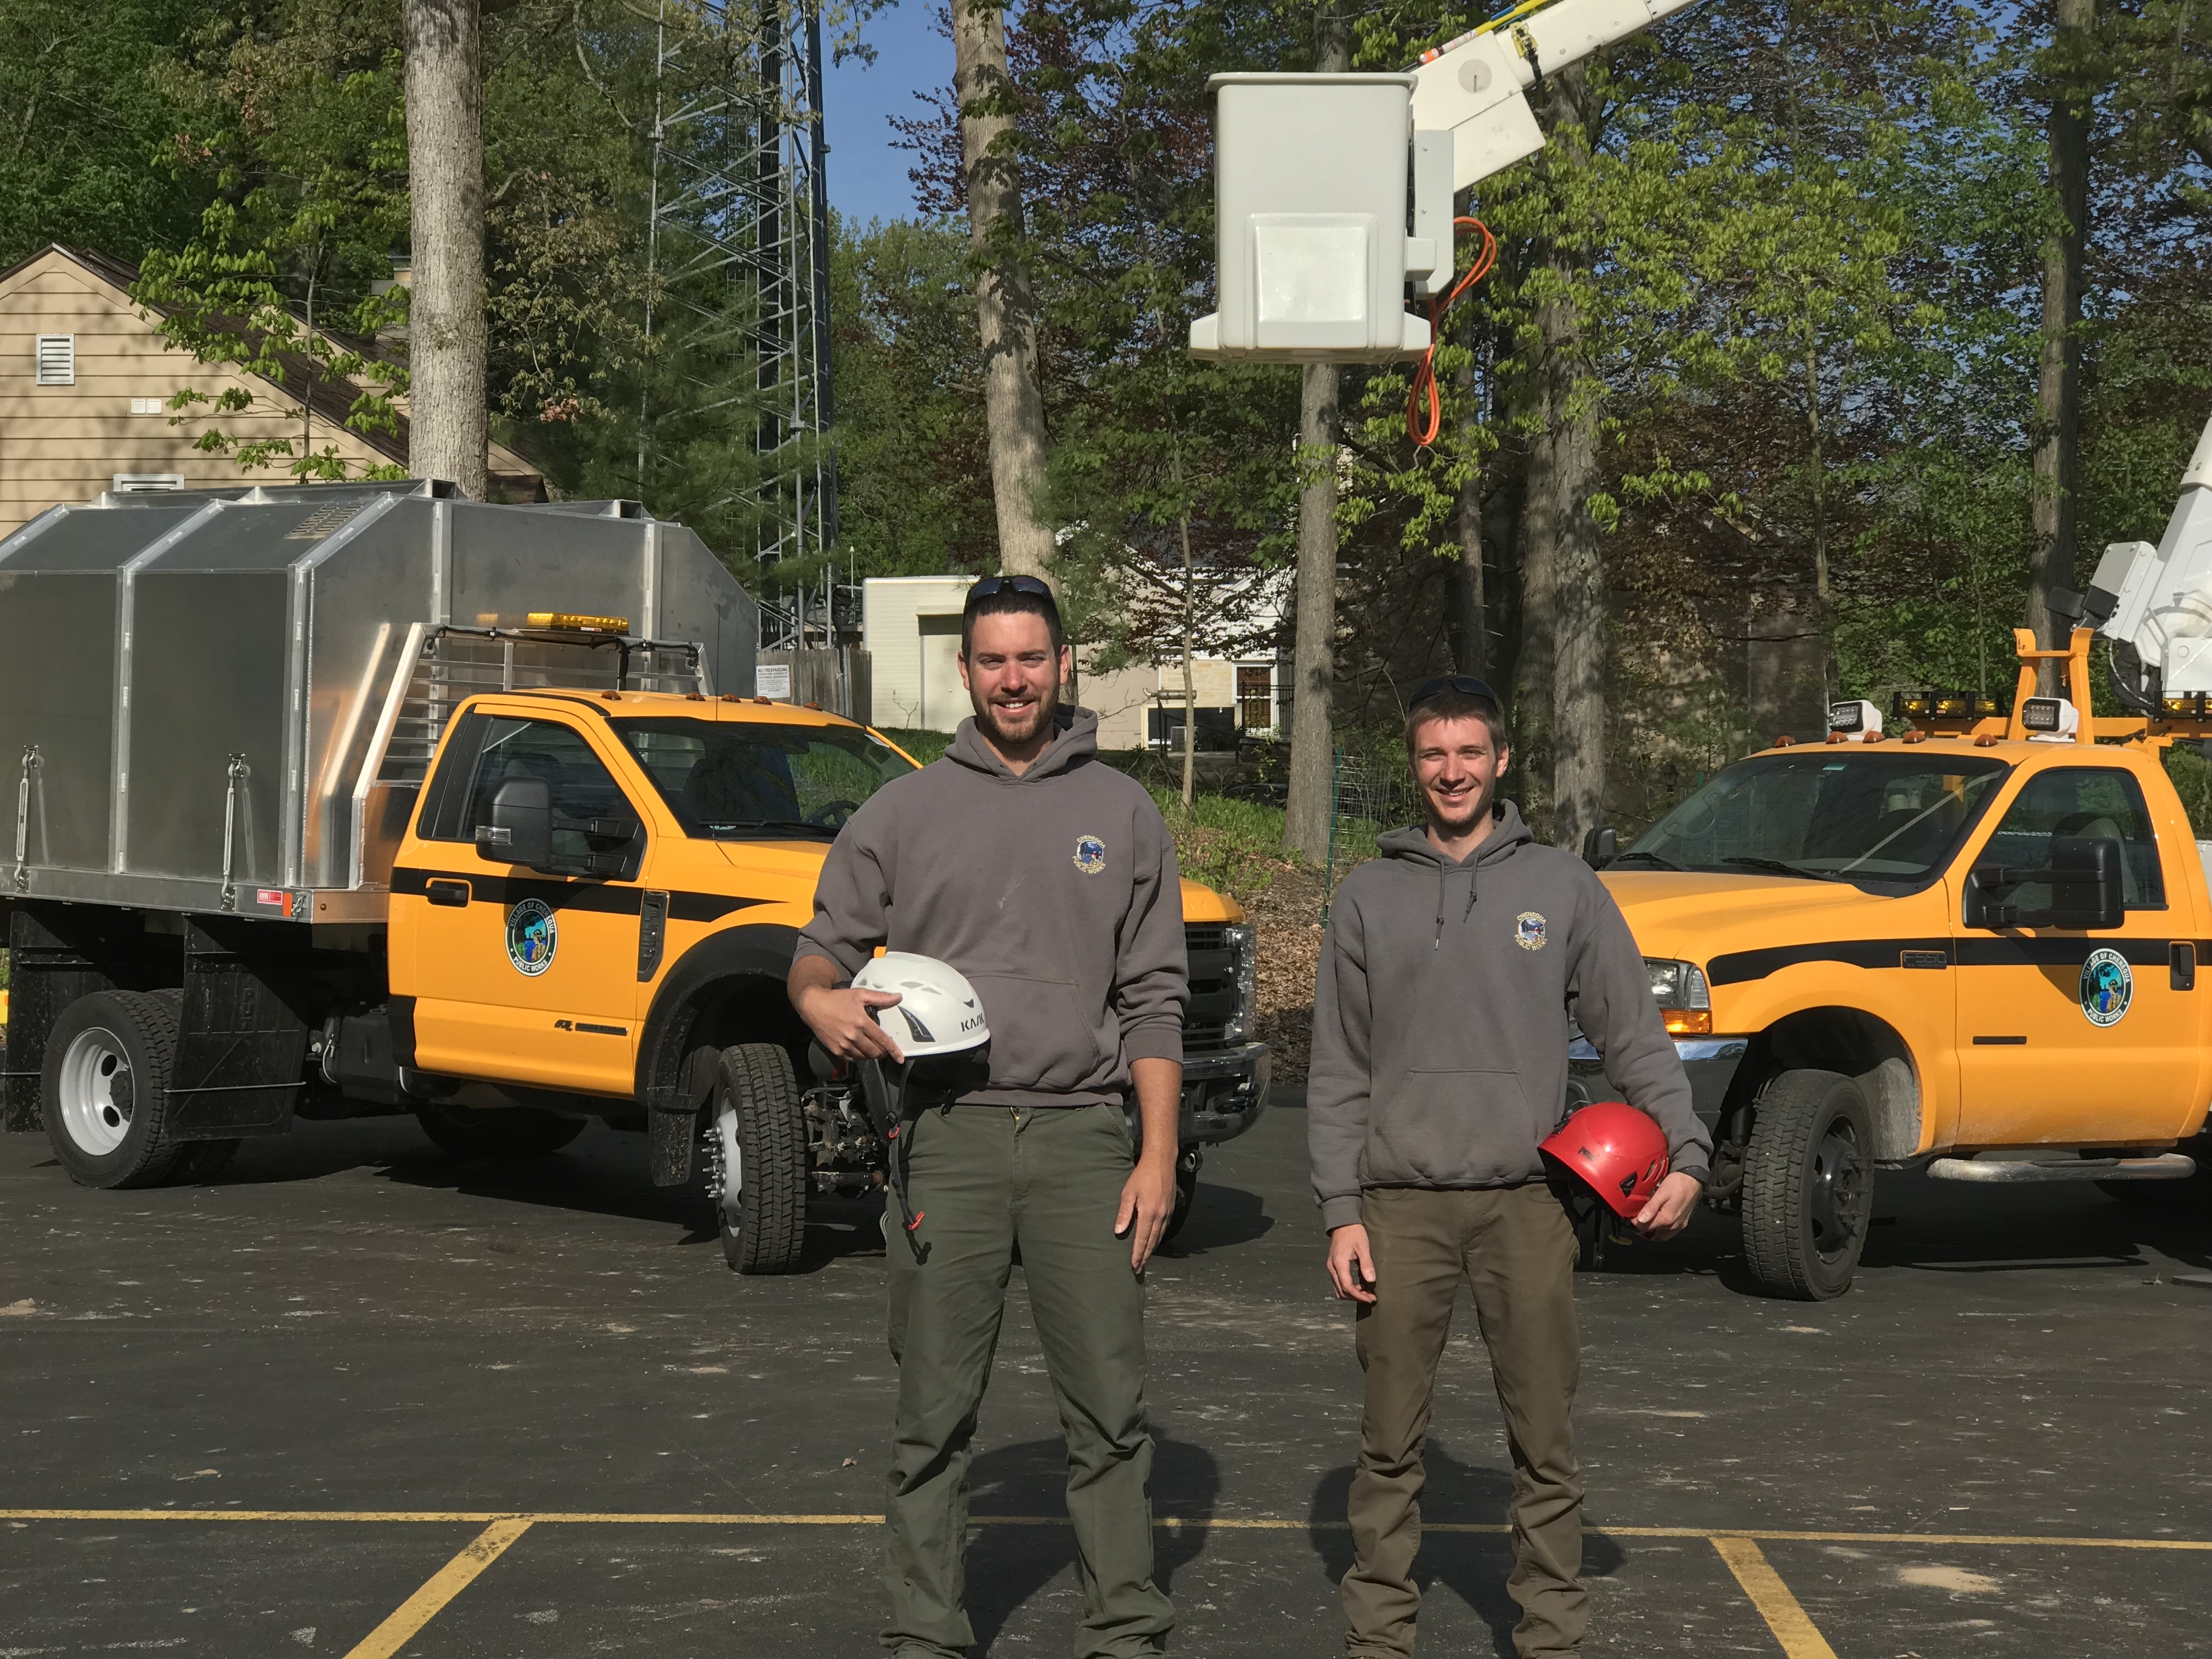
(1514, 1245)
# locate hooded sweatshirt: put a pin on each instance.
(1441, 1018)
(1054, 893)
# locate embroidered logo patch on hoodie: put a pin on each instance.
(1528, 931)
(1090, 854)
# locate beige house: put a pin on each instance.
(85, 382)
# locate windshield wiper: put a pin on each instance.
(1782, 869)
(1649, 858)
(811, 827)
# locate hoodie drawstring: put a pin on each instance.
(1442, 870)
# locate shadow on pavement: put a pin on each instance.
(1220, 1217)
(1007, 1565)
(603, 1173)
(1472, 1565)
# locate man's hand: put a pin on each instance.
(1668, 1211)
(1148, 1195)
(1147, 1201)
(1351, 1263)
(841, 1020)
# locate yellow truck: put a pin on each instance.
(1968, 944)
(346, 800)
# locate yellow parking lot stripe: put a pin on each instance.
(449, 1581)
(1171, 1522)
(1799, 1637)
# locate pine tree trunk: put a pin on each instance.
(1310, 807)
(1539, 616)
(1465, 624)
(447, 423)
(1578, 644)
(1006, 306)
(2059, 368)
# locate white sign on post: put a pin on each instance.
(771, 679)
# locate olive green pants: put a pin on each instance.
(986, 1181)
(1515, 1247)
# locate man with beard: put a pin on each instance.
(1451, 968)
(1048, 880)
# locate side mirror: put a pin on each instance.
(2085, 884)
(521, 827)
(2084, 878)
(1600, 845)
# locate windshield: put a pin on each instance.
(737, 780)
(1825, 816)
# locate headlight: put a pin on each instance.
(1238, 935)
(1685, 1002)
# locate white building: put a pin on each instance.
(911, 627)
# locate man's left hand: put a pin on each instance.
(1668, 1211)
(1147, 1200)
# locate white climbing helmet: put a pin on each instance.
(938, 1012)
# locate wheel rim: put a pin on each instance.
(96, 1091)
(1838, 1190)
(733, 1160)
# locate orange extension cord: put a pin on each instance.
(1423, 388)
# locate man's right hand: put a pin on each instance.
(1351, 1263)
(843, 1025)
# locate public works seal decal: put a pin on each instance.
(532, 936)
(1528, 931)
(2108, 986)
(1090, 854)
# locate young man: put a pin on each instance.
(1452, 964)
(1050, 880)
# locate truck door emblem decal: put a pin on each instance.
(1528, 931)
(1090, 854)
(532, 936)
(2108, 985)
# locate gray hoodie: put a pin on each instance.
(1440, 1019)
(1054, 893)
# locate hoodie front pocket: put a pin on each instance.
(1444, 1126)
(1040, 1038)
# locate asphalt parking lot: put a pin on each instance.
(359, 1398)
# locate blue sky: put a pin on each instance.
(867, 176)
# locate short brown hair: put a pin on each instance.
(1451, 704)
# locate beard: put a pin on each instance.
(1475, 812)
(1042, 714)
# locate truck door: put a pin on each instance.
(2070, 1037)
(520, 976)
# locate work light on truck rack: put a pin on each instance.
(1685, 1002)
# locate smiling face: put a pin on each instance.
(1012, 675)
(1457, 767)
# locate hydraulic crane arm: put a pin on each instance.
(2157, 601)
(1475, 87)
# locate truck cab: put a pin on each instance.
(1971, 945)
(602, 892)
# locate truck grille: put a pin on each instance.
(1214, 985)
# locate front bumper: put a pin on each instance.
(1224, 1092)
(1709, 1061)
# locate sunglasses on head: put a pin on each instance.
(1466, 684)
(988, 586)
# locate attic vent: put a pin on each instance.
(58, 360)
(137, 483)
(323, 520)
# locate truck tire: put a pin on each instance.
(1807, 1186)
(756, 1162)
(1187, 1166)
(105, 1090)
(502, 1132)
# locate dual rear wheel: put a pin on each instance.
(104, 1094)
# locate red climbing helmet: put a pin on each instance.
(1616, 1151)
